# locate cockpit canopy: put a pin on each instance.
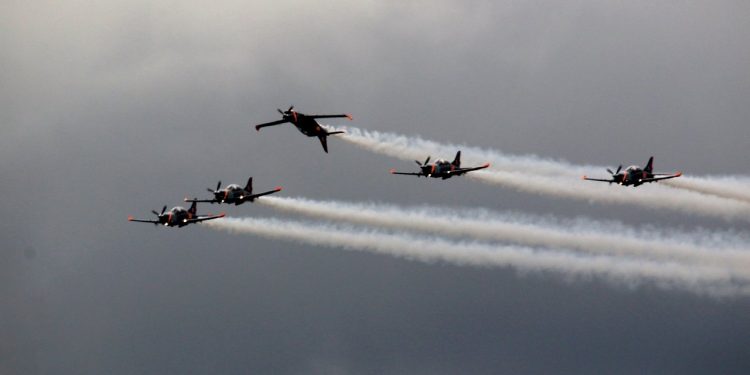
(633, 168)
(234, 187)
(442, 161)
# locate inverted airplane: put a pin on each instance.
(441, 168)
(234, 194)
(177, 217)
(635, 176)
(306, 124)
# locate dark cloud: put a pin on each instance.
(119, 108)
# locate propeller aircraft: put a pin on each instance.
(441, 168)
(635, 175)
(306, 124)
(177, 217)
(234, 194)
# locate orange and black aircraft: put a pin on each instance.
(177, 217)
(234, 194)
(306, 124)
(635, 175)
(441, 168)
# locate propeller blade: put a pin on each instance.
(210, 190)
(618, 169)
(427, 160)
(163, 209)
(280, 111)
(218, 186)
(418, 162)
(155, 213)
(610, 171)
(291, 107)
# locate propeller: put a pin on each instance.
(218, 186)
(288, 111)
(425, 162)
(162, 211)
(614, 173)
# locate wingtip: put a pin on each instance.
(679, 173)
(257, 128)
(222, 214)
(486, 165)
(392, 170)
(130, 218)
(583, 177)
(349, 116)
(279, 188)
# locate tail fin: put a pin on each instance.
(324, 142)
(249, 186)
(650, 165)
(193, 208)
(457, 160)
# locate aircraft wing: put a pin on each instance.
(204, 218)
(393, 171)
(597, 179)
(251, 197)
(272, 123)
(460, 171)
(130, 218)
(331, 116)
(678, 174)
(201, 200)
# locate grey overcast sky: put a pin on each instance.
(119, 107)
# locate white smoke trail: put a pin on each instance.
(652, 197)
(416, 148)
(697, 279)
(587, 236)
(553, 178)
(720, 186)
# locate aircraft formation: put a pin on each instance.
(308, 125)
(232, 194)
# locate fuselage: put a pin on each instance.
(176, 217)
(632, 175)
(306, 125)
(231, 194)
(441, 169)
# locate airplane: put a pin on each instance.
(634, 175)
(234, 194)
(441, 168)
(306, 124)
(177, 217)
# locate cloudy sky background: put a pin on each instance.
(116, 108)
